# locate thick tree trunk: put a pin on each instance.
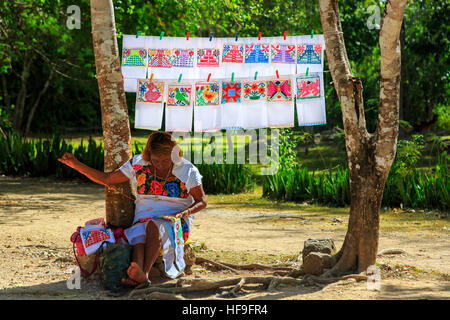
(370, 156)
(116, 128)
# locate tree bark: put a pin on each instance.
(116, 128)
(370, 156)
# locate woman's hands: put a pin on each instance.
(181, 214)
(69, 160)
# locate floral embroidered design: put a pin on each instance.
(256, 53)
(279, 90)
(134, 57)
(150, 91)
(308, 87)
(208, 57)
(159, 58)
(148, 183)
(309, 54)
(183, 58)
(233, 53)
(156, 187)
(231, 92)
(254, 91)
(282, 53)
(173, 189)
(207, 94)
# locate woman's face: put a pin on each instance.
(161, 162)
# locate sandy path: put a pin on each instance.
(37, 217)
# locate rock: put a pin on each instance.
(325, 245)
(315, 263)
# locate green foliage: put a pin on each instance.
(408, 155)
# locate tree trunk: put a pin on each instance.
(402, 133)
(21, 96)
(116, 128)
(370, 156)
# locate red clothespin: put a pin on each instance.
(285, 34)
(209, 76)
(187, 36)
(278, 76)
(259, 36)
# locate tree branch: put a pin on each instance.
(386, 133)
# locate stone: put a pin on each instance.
(315, 263)
(325, 245)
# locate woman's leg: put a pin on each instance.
(135, 273)
(152, 246)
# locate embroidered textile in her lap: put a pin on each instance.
(150, 184)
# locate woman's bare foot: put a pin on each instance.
(136, 275)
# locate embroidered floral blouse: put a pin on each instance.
(149, 183)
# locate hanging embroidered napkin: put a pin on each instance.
(254, 104)
(179, 107)
(310, 95)
(207, 111)
(149, 104)
(130, 84)
(231, 104)
(280, 102)
(171, 56)
(134, 57)
(310, 53)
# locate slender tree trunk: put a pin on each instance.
(401, 133)
(370, 156)
(21, 96)
(116, 128)
(6, 96)
(36, 103)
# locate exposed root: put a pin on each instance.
(205, 285)
(164, 296)
(200, 260)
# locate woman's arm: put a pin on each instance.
(200, 202)
(100, 177)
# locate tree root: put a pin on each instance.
(205, 285)
(200, 260)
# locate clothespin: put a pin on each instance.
(138, 34)
(151, 77)
(312, 33)
(256, 74)
(237, 35)
(209, 76)
(211, 36)
(162, 35)
(187, 36)
(179, 78)
(307, 71)
(278, 76)
(232, 77)
(284, 35)
(259, 36)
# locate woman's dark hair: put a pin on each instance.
(159, 143)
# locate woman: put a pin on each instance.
(169, 192)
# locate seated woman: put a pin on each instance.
(169, 192)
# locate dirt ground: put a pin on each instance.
(38, 215)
